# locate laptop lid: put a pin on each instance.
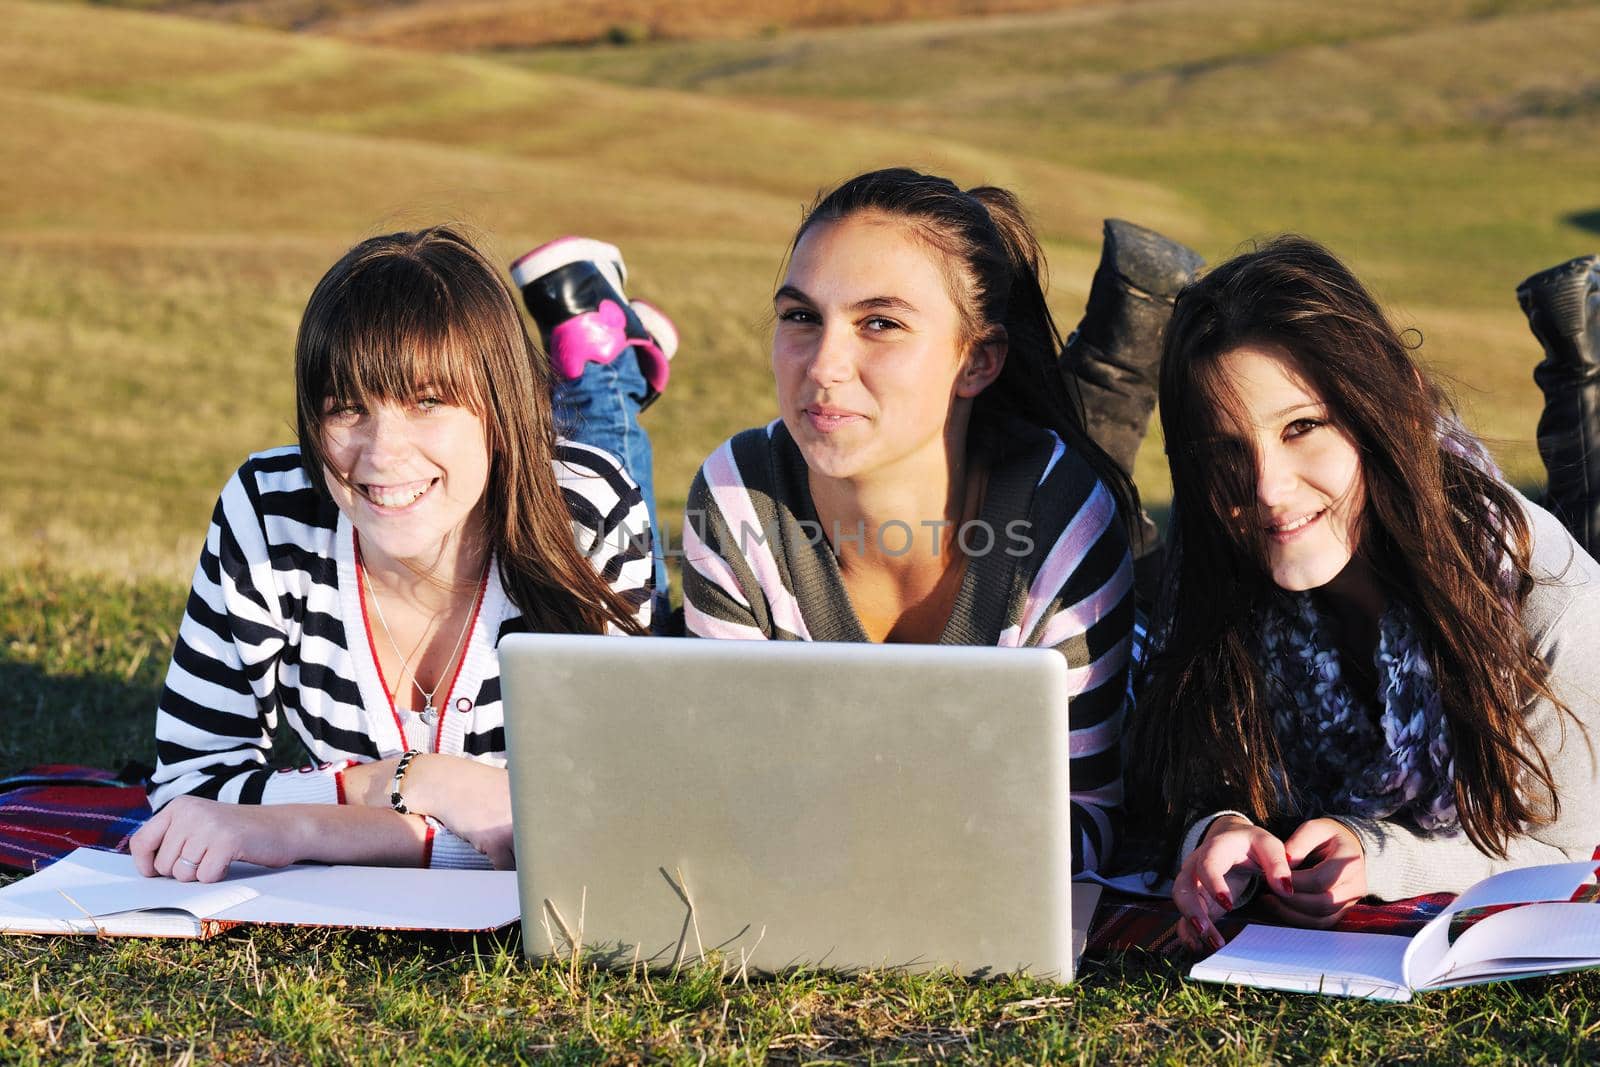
(782, 803)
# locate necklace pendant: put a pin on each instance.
(429, 713)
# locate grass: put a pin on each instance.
(81, 662)
(174, 188)
(308, 996)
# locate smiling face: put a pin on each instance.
(1309, 491)
(868, 356)
(410, 477)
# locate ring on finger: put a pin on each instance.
(188, 861)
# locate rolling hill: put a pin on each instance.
(173, 187)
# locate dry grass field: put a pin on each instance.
(174, 188)
(171, 187)
(464, 25)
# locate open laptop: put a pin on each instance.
(786, 803)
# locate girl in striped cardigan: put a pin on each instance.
(930, 479)
(357, 584)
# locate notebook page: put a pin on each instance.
(160, 923)
(396, 898)
(1532, 939)
(1548, 882)
(101, 892)
(89, 882)
(1335, 962)
(117, 899)
(203, 900)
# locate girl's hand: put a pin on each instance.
(367, 784)
(1233, 851)
(1330, 874)
(194, 840)
(473, 799)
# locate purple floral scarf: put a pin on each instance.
(1339, 757)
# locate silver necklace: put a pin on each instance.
(429, 713)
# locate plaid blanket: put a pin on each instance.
(46, 812)
(1125, 922)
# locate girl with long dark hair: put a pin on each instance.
(1373, 666)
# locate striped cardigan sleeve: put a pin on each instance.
(1080, 602)
(733, 585)
(218, 710)
(610, 522)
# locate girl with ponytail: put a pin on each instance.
(929, 479)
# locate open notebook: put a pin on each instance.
(94, 892)
(1531, 921)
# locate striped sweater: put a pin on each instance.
(1058, 574)
(276, 626)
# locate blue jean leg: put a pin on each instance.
(602, 409)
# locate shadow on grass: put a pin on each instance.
(76, 718)
(1588, 221)
(81, 664)
(91, 719)
(82, 661)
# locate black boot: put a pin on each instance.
(1115, 356)
(1563, 309)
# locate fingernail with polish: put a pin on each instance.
(1287, 885)
(1225, 899)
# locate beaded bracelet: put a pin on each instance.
(396, 801)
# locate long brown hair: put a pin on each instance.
(426, 307)
(1442, 532)
(995, 270)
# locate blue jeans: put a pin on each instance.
(601, 409)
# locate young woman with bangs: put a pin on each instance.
(1373, 667)
(930, 479)
(356, 584)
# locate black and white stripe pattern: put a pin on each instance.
(274, 627)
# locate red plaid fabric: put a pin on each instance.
(1125, 922)
(48, 811)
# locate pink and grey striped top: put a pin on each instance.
(1048, 565)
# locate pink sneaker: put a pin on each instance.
(573, 289)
